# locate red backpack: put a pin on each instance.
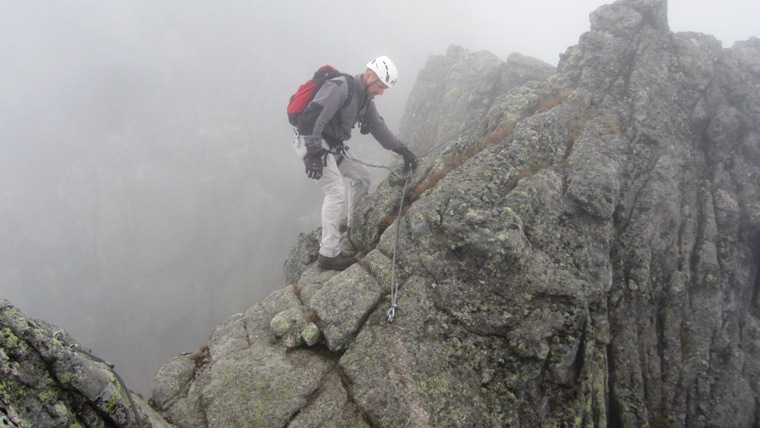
(306, 91)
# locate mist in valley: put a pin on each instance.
(148, 188)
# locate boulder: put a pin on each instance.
(49, 380)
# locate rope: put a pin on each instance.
(343, 151)
(77, 348)
(394, 283)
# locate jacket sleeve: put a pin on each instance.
(322, 109)
(380, 130)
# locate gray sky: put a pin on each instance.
(147, 186)
(544, 28)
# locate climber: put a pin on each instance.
(323, 127)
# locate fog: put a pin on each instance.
(148, 187)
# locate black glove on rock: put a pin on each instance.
(410, 160)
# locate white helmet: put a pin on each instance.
(384, 69)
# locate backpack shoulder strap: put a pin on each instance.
(350, 82)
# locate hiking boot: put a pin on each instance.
(339, 262)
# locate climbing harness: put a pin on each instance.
(75, 347)
(394, 283)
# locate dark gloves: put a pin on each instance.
(313, 158)
(410, 160)
(313, 166)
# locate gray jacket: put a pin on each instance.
(324, 117)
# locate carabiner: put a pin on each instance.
(391, 313)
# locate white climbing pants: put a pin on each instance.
(334, 187)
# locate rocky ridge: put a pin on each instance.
(48, 380)
(584, 253)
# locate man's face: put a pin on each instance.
(376, 87)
